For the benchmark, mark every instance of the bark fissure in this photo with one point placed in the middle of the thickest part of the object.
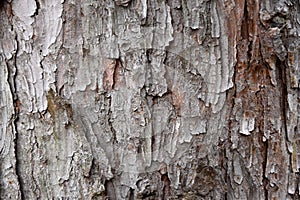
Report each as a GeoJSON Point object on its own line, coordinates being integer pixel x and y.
{"type": "Point", "coordinates": [38, 7]}
{"type": "Point", "coordinates": [19, 171]}
{"type": "Point", "coordinates": [264, 168]}
{"type": "Point", "coordinates": [166, 186]}
{"type": "Point", "coordinates": [131, 194]}
{"type": "Point", "coordinates": [281, 67]}
{"type": "Point", "coordinates": [17, 107]}
{"type": "Point", "coordinates": [110, 190]}
{"type": "Point", "coordinates": [110, 120]}
{"type": "Point", "coordinates": [162, 99]}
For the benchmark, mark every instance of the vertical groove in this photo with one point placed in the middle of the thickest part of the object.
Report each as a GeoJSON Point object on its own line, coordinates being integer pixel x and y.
{"type": "Point", "coordinates": [166, 188]}
{"type": "Point", "coordinates": [110, 190]}
{"type": "Point", "coordinates": [284, 97]}
{"type": "Point", "coordinates": [265, 159]}
{"type": "Point", "coordinates": [18, 169]}
{"type": "Point", "coordinates": [131, 194]}
{"type": "Point", "coordinates": [16, 105]}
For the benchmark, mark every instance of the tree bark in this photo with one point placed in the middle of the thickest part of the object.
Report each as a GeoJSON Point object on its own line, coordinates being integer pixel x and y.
{"type": "Point", "coordinates": [150, 99]}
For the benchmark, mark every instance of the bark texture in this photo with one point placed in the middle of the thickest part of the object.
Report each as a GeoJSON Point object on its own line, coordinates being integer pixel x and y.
{"type": "Point", "coordinates": [150, 99]}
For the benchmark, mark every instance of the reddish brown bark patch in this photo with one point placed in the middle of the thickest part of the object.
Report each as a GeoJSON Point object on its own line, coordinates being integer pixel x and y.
{"type": "Point", "coordinates": [108, 75]}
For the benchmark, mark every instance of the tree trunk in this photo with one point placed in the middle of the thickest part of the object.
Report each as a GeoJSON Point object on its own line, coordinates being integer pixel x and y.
{"type": "Point", "coordinates": [150, 99]}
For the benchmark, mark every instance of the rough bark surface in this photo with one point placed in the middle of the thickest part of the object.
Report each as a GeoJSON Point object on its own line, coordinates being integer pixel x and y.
{"type": "Point", "coordinates": [149, 99]}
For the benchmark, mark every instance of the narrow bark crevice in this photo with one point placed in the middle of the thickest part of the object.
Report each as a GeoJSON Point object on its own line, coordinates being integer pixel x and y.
{"type": "Point", "coordinates": [18, 167]}
{"type": "Point", "coordinates": [281, 69]}
{"type": "Point", "coordinates": [17, 106]}
{"type": "Point", "coordinates": [131, 194]}
{"type": "Point", "coordinates": [117, 72]}
{"type": "Point", "coordinates": [37, 7]}
{"type": "Point", "coordinates": [166, 186]}
{"type": "Point", "coordinates": [110, 190]}
{"type": "Point", "coordinates": [264, 168]}
{"type": "Point", "coordinates": [245, 24]}
{"type": "Point", "coordinates": [17, 155]}
{"type": "Point", "coordinates": [110, 121]}
{"type": "Point", "coordinates": [297, 192]}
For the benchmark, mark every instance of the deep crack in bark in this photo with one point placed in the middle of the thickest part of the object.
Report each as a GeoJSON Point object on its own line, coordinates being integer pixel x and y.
{"type": "Point", "coordinates": [16, 102]}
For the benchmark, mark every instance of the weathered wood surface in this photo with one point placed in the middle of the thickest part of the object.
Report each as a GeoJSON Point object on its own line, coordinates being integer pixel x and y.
{"type": "Point", "coordinates": [149, 99]}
